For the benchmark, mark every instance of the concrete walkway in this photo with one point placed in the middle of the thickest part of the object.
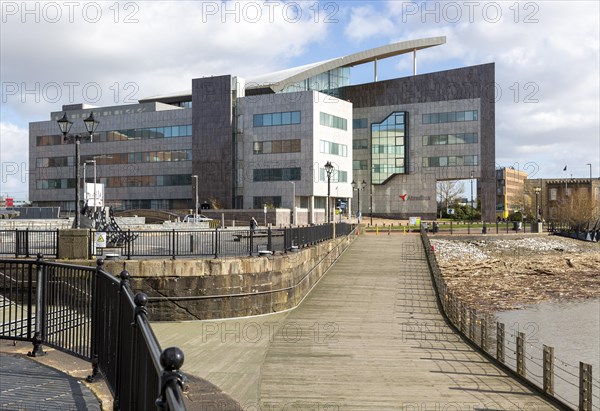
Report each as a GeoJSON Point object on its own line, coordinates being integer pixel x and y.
{"type": "Point", "coordinates": [368, 337]}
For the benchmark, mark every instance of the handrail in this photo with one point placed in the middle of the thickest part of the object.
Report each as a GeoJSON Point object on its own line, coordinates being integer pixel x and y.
{"type": "Point", "coordinates": [474, 327]}
{"type": "Point", "coordinates": [87, 312]}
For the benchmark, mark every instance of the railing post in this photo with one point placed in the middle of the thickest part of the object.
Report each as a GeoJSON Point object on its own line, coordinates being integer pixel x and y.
{"type": "Point", "coordinates": [484, 335]}
{"type": "Point", "coordinates": [173, 245]}
{"type": "Point", "coordinates": [450, 227]}
{"type": "Point", "coordinates": [171, 360]}
{"type": "Point", "coordinates": [500, 342]}
{"type": "Point", "coordinates": [269, 239]}
{"type": "Point", "coordinates": [548, 375]}
{"type": "Point", "coordinates": [521, 354]}
{"type": "Point", "coordinates": [251, 244]}
{"type": "Point", "coordinates": [27, 242]}
{"type": "Point", "coordinates": [472, 325]}
{"type": "Point", "coordinates": [128, 244]}
{"type": "Point", "coordinates": [38, 336]}
{"type": "Point", "coordinates": [216, 242]}
{"type": "Point", "coordinates": [463, 317]}
{"type": "Point", "coordinates": [286, 232]}
{"type": "Point", "coordinates": [95, 322]}
{"type": "Point", "coordinates": [585, 387]}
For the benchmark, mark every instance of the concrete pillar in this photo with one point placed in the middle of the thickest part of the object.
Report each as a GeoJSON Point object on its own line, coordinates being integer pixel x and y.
{"type": "Point", "coordinates": [74, 244]}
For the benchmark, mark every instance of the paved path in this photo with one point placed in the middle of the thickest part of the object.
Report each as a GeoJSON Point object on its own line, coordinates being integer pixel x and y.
{"type": "Point", "coordinates": [368, 337]}
{"type": "Point", "coordinates": [28, 385]}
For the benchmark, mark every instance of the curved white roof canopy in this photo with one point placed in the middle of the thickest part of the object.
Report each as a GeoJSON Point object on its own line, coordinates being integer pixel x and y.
{"type": "Point", "coordinates": [279, 80]}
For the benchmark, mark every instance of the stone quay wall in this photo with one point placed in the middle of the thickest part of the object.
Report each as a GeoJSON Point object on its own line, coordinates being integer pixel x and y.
{"type": "Point", "coordinates": [202, 289]}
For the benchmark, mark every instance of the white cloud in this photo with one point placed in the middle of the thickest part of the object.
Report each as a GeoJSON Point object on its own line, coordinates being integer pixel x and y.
{"type": "Point", "coordinates": [13, 161]}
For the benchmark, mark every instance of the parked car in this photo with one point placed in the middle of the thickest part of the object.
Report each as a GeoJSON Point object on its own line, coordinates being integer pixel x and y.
{"type": "Point", "coordinates": [190, 218]}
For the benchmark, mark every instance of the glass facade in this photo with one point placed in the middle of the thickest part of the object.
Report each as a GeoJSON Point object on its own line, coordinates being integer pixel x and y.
{"type": "Point", "coordinates": [118, 158]}
{"type": "Point", "coordinates": [124, 135]}
{"type": "Point", "coordinates": [276, 146]}
{"type": "Point", "coordinates": [124, 181]}
{"type": "Point", "coordinates": [276, 119]}
{"type": "Point", "coordinates": [444, 139]}
{"type": "Point", "coordinates": [450, 117]}
{"type": "Point", "coordinates": [388, 142]}
{"type": "Point", "coordinates": [277, 174]}
{"type": "Point", "coordinates": [332, 121]}
{"type": "Point", "coordinates": [328, 82]}
{"type": "Point", "coordinates": [450, 161]}
{"type": "Point", "coordinates": [327, 147]}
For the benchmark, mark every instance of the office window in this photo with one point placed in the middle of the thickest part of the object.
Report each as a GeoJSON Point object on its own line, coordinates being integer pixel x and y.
{"type": "Point", "coordinates": [277, 174]}
{"type": "Point", "coordinates": [449, 161]}
{"type": "Point", "coordinates": [360, 164]}
{"type": "Point", "coordinates": [276, 119]}
{"type": "Point", "coordinates": [358, 123]}
{"type": "Point", "coordinates": [277, 146]}
{"type": "Point", "coordinates": [360, 144]}
{"type": "Point", "coordinates": [328, 147]}
{"type": "Point", "coordinates": [449, 117]}
{"type": "Point", "coordinates": [332, 121]}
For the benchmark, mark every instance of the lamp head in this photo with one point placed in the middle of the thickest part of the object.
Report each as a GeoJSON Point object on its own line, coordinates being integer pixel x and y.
{"type": "Point", "coordinates": [64, 124]}
{"type": "Point", "coordinates": [91, 124]}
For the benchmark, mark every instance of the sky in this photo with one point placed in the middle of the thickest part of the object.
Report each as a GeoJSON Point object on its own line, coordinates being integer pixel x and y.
{"type": "Point", "coordinates": [546, 56]}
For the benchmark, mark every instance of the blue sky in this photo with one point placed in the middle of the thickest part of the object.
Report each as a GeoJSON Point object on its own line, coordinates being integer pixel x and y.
{"type": "Point", "coordinates": [107, 53]}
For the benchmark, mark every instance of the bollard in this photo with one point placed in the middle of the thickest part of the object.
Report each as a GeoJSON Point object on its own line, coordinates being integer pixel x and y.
{"type": "Point", "coordinates": [376, 229]}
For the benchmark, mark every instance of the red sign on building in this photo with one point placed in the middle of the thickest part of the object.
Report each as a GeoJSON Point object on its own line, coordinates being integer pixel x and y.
{"type": "Point", "coordinates": [9, 202]}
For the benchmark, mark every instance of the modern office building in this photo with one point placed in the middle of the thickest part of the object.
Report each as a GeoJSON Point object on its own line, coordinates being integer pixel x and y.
{"type": "Point", "coordinates": [510, 191]}
{"type": "Point", "coordinates": [265, 141]}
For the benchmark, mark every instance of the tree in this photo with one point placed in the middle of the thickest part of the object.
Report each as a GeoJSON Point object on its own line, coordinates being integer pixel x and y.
{"type": "Point", "coordinates": [448, 192]}
{"type": "Point", "coordinates": [580, 211]}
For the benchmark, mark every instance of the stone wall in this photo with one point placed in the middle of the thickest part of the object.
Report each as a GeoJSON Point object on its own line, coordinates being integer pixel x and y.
{"type": "Point", "coordinates": [229, 287]}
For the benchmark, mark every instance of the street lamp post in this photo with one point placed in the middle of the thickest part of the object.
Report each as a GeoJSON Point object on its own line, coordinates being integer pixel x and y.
{"type": "Point", "coordinates": [358, 189]}
{"type": "Point", "coordinates": [293, 183]}
{"type": "Point", "coordinates": [65, 126]}
{"type": "Point", "coordinates": [195, 176]}
{"type": "Point", "coordinates": [329, 171]}
{"type": "Point", "coordinates": [537, 209]}
{"type": "Point", "coordinates": [472, 174]}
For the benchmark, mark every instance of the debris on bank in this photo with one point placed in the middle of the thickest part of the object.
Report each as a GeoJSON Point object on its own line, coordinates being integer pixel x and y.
{"type": "Point", "coordinates": [495, 274]}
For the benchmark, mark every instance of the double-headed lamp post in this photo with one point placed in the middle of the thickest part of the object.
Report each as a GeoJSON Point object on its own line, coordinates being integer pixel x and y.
{"type": "Point", "coordinates": [195, 176]}
{"type": "Point", "coordinates": [355, 187]}
{"type": "Point", "coordinates": [537, 209]}
{"type": "Point", "coordinates": [329, 171]}
{"type": "Point", "coordinates": [65, 126]}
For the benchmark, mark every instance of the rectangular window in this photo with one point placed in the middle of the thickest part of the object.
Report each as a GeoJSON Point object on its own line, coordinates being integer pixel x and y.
{"type": "Point", "coordinates": [360, 164]}
{"type": "Point", "coordinates": [358, 123]}
{"type": "Point", "coordinates": [332, 121]}
{"type": "Point", "coordinates": [276, 119]}
{"type": "Point", "coordinates": [450, 117]}
{"type": "Point", "coordinates": [276, 146]}
{"type": "Point", "coordinates": [360, 144]}
{"type": "Point", "coordinates": [553, 194]}
{"type": "Point", "coordinates": [277, 174]}
{"type": "Point", "coordinates": [327, 147]}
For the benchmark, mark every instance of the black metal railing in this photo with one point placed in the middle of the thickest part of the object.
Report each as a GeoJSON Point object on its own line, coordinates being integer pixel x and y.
{"type": "Point", "coordinates": [89, 313]}
{"type": "Point", "coordinates": [227, 242]}
{"type": "Point", "coordinates": [28, 243]}
{"type": "Point", "coordinates": [179, 243]}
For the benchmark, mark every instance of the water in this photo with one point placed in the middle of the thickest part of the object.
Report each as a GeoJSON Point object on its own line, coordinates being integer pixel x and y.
{"type": "Point", "coordinates": [573, 329]}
